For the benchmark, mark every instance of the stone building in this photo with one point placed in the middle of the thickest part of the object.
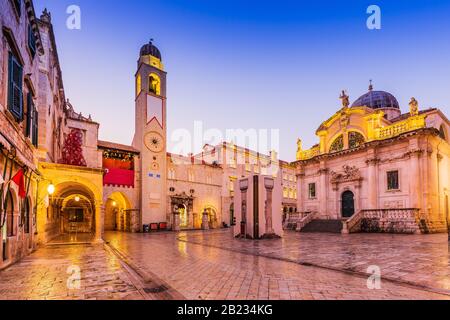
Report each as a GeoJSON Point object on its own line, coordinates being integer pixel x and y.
{"type": "Point", "coordinates": [376, 169]}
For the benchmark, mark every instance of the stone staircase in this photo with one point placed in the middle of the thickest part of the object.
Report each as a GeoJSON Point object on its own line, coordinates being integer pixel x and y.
{"type": "Point", "coordinates": [326, 226]}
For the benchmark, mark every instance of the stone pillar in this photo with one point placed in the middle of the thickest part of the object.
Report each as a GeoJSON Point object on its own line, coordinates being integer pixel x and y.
{"type": "Point", "coordinates": [323, 194]}
{"type": "Point", "coordinates": [300, 199]}
{"type": "Point", "coordinates": [99, 218]}
{"type": "Point", "coordinates": [415, 179]}
{"type": "Point", "coordinates": [269, 185]}
{"type": "Point", "coordinates": [372, 183]}
{"type": "Point", "coordinates": [205, 222]}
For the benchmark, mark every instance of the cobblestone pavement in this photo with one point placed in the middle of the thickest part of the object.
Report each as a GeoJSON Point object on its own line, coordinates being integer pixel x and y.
{"type": "Point", "coordinates": [44, 275]}
{"type": "Point", "coordinates": [211, 270]}
{"type": "Point", "coordinates": [422, 260]}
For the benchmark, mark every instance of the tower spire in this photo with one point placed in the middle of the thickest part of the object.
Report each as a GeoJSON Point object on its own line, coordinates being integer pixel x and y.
{"type": "Point", "coordinates": [370, 85]}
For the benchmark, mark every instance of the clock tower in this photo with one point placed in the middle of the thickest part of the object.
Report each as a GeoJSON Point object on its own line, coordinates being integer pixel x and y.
{"type": "Point", "coordinates": [150, 134]}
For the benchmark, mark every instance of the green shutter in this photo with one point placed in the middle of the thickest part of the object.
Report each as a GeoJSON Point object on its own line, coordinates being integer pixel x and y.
{"type": "Point", "coordinates": [35, 128]}
{"type": "Point", "coordinates": [30, 110]}
{"type": "Point", "coordinates": [15, 97]}
{"type": "Point", "coordinates": [31, 41]}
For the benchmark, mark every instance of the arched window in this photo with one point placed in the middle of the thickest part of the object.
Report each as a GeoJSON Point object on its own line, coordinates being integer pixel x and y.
{"type": "Point", "coordinates": [154, 84]}
{"type": "Point", "coordinates": [338, 144]}
{"type": "Point", "coordinates": [9, 207]}
{"type": "Point", "coordinates": [138, 84]}
{"type": "Point", "coordinates": [442, 133]}
{"type": "Point", "coordinates": [355, 139]}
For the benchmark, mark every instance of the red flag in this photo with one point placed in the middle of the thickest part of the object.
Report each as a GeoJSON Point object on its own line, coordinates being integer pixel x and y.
{"type": "Point", "coordinates": [18, 179]}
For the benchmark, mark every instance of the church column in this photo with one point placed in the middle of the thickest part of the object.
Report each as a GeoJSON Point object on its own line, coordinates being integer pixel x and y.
{"type": "Point", "coordinates": [372, 181]}
{"type": "Point", "coordinates": [323, 195]}
{"type": "Point", "coordinates": [415, 176]}
{"type": "Point", "coordinates": [300, 198]}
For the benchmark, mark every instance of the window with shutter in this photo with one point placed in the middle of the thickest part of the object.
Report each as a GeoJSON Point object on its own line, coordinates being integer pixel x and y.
{"type": "Point", "coordinates": [15, 97]}
{"type": "Point", "coordinates": [35, 139]}
{"type": "Point", "coordinates": [29, 114]}
{"type": "Point", "coordinates": [31, 41]}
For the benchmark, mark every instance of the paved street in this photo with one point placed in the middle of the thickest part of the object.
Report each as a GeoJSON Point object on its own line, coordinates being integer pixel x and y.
{"type": "Point", "coordinates": [422, 260]}
{"type": "Point", "coordinates": [44, 275]}
{"type": "Point", "coordinates": [213, 265]}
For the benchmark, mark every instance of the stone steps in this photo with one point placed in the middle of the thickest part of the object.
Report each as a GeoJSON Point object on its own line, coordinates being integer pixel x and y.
{"type": "Point", "coordinates": [326, 226]}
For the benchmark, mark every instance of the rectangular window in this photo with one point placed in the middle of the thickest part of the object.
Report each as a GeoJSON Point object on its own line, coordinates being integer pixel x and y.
{"type": "Point", "coordinates": [29, 115]}
{"type": "Point", "coordinates": [392, 180]}
{"type": "Point", "coordinates": [312, 190]}
{"type": "Point", "coordinates": [15, 97]}
{"type": "Point", "coordinates": [31, 41]}
{"type": "Point", "coordinates": [35, 137]}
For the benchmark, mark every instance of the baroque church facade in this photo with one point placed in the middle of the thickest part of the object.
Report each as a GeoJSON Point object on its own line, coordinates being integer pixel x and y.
{"type": "Point", "coordinates": [373, 170]}
{"type": "Point", "coordinates": [376, 169]}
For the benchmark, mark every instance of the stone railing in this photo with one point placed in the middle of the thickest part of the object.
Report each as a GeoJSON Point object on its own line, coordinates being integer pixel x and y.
{"type": "Point", "coordinates": [410, 124]}
{"type": "Point", "coordinates": [352, 225]}
{"type": "Point", "coordinates": [384, 220]}
{"type": "Point", "coordinates": [291, 220]}
{"type": "Point", "coordinates": [306, 219]}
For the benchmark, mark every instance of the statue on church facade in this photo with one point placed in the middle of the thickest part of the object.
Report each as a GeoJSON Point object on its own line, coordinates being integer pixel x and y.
{"type": "Point", "coordinates": [345, 99]}
{"type": "Point", "coordinates": [299, 148]}
{"type": "Point", "coordinates": [414, 107]}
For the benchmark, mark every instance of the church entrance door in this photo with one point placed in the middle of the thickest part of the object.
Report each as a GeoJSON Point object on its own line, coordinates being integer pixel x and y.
{"type": "Point", "coordinates": [348, 204]}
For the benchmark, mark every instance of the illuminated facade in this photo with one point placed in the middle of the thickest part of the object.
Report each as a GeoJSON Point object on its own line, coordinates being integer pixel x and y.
{"type": "Point", "coordinates": [374, 169]}
{"type": "Point", "coordinates": [377, 169]}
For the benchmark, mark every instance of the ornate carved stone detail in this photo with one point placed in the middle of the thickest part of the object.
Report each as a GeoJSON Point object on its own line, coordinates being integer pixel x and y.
{"type": "Point", "coordinates": [349, 174]}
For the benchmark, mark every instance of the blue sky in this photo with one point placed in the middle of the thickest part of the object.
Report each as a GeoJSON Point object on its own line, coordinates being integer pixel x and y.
{"type": "Point", "coordinates": [251, 63]}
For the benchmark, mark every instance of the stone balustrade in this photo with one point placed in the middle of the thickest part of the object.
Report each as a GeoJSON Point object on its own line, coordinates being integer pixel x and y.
{"type": "Point", "coordinates": [307, 218]}
{"type": "Point", "coordinates": [384, 220]}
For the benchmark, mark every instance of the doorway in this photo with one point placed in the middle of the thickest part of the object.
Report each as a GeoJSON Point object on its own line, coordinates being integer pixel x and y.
{"type": "Point", "coordinates": [348, 204]}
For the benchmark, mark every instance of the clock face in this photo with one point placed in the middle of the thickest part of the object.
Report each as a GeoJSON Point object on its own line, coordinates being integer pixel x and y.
{"type": "Point", "coordinates": [154, 142]}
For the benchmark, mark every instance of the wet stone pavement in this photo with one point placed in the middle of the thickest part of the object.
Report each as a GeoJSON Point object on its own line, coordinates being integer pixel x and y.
{"type": "Point", "coordinates": [51, 274]}
{"type": "Point", "coordinates": [213, 265]}
{"type": "Point", "coordinates": [421, 260]}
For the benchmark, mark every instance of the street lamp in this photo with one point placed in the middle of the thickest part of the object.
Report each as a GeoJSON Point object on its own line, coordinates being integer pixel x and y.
{"type": "Point", "coordinates": [51, 189]}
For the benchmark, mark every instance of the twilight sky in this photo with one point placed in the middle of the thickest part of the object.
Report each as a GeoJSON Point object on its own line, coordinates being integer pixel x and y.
{"type": "Point", "coordinates": [252, 63]}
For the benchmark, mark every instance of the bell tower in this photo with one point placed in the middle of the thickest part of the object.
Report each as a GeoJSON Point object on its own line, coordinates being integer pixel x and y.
{"type": "Point", "coordinates": [150, 136]}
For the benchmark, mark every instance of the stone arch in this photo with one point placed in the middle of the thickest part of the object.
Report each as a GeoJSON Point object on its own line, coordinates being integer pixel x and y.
{"type": "Point", "coordinates": [212, 216]}
{"type": "Point", "coordinates": [117, 214]}
{"type": "Point", "coordinates": [11, 211]}
{"type": "Point", "coordinates": [76, 206]}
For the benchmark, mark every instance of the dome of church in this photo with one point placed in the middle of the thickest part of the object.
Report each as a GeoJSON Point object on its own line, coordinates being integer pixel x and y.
{"type": "Point", "coordinates": [377, 100]}
{"type": "Point", "coordinates": [151, 49]}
